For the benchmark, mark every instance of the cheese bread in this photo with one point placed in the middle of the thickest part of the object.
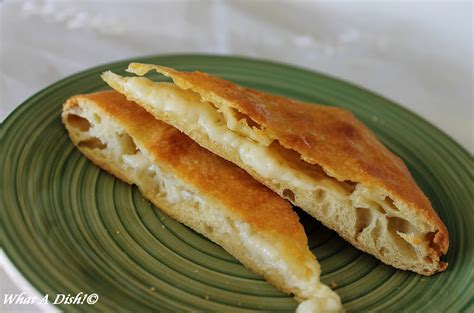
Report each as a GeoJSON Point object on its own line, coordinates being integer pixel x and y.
{"type": "Point", "coordinates": [201, 190]}
{"type": "Point", "coordinates": [320, 158]}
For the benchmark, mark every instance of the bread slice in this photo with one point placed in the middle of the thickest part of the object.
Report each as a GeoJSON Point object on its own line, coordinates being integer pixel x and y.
{"type": "Point", "coordinates": [205, 192]}
{"type": "Point", "coordinates": [320, 158]}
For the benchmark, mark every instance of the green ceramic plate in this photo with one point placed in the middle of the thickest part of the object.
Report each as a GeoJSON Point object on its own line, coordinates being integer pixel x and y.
{"type": "Point", "coordinates": [70, 227]}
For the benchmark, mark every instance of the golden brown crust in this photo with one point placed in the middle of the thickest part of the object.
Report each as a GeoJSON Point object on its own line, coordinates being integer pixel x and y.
{"type": "Point", "coordinates": [216, 178]}
{"type": "Point", "coordinates": [330, 137]}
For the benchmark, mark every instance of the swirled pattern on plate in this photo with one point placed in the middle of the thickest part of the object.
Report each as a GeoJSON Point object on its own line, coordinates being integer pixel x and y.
{"type": "Point", "coordinates": [70, 227]}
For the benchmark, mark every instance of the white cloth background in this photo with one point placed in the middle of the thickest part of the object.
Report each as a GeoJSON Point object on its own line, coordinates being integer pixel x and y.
{"type": "Point", "coordinates": [419, 54]}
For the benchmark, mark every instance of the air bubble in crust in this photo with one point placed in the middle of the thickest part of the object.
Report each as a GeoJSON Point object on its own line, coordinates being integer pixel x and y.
{"type": "Point", "coordinates": [78, 122]}
{"type": "Point", "coordinates": [290, 195]}
{"type": "Point", "coordinates": [92, 143]}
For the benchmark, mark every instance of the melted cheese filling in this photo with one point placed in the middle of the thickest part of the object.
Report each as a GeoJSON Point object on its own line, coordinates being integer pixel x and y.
{"type": "Point", "coordinates": [262, 157]}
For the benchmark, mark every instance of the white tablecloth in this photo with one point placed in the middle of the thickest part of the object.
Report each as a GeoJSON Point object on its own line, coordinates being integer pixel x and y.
{"type": "Point", "coordinates": [417, 54]}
